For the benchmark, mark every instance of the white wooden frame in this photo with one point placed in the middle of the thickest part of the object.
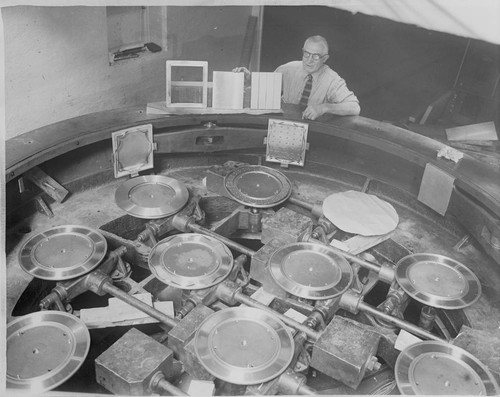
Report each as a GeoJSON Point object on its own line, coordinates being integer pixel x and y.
{"type": "Point", "coordinates": [204, 83]}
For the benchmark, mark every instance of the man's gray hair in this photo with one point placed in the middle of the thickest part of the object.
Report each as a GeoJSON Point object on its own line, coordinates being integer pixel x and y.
{"type": "Point", "coordinates": [319, 39]}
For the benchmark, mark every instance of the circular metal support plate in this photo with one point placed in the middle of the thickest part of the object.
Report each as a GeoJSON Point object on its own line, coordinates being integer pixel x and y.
{"type": "Point", "coordinates": [44, 349]}
{"type": "Point", "coordinates": [258, 186]}
{"type": "Point", "coordinates": [63, 252]}
{"type": "Point", "coordinates": [438, 281]}
{"type": "Point", "coordinates": [190, 261]}
{"type": "Point", "coordinates": [310, 270]}
{"type": "Point", "coordinates": [243, 345]}
{"type": "Point", "coordinates": [438, 368]}
{"type": "Point", "coordinates": [151, 196]}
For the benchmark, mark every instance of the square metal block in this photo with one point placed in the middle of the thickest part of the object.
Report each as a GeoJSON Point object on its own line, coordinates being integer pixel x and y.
{"type": "Point", "coordinates": [127, 367]}
{"type": "Point", "coordinates": [343, 351]}
{"type": "Point", "coordinates": [181, 336]}
{"type": "Point", "coordinates": [286, 225]}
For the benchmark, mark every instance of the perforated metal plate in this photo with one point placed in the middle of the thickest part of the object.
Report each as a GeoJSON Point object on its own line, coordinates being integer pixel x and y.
{"type": "Point", "coordinates": [62, 252]}
{"type": "Point", "coordinates": [152, 196]}
{"type": "Point", "coordinates": [310, 270]}
{"type": "Point", "coordinates": [438, 368]}
{"type": "Point", "coordinates": [44, 349]}
{"type": "Point", "coordinates": [190, 261]}
{"type": "Point", "coordinates": [243, 345]}
{"type": "Point", "coordinates": [438, 281]}
{"type": "Point", "coordinates": [286, 142]}
{"type": "Point", "coordinates": [258, 186]}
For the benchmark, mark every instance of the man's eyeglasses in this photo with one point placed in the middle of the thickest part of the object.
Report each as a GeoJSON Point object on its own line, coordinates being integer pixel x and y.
{"type": "Point", "coordinates": [315, 57]}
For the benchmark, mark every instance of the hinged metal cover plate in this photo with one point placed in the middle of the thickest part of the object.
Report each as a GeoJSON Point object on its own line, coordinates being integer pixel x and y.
{"type": "Point", "coordinates": [438, 281]}
{"type": "Point", "coordinates": [286, 142]}
{"type": "Point", "coordinates": [244, 345]}
{"type": "Point", "coordinates": [44, 349]}
{"type": "Point", "coordinates": [190, 261]}
{"type": "Point", "coordinates": [310, 270]}
{"type": "Point", "coordinates": [133, 150]}
{"type": "Point", "coordinates": [63, 252]}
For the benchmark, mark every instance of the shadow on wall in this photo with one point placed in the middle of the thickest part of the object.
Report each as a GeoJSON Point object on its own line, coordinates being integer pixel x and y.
{"type": "Point", "coordinates": [394, 69]}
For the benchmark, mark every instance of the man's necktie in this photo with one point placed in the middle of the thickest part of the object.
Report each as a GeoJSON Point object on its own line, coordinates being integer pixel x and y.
{"type": "Point", "coordinates": [307, 91]}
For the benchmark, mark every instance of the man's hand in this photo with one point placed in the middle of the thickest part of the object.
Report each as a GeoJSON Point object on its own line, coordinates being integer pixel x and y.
{"type": "Point", "coordinates": [244, 70]}
{"type": "Point", "coordinates": [312, 112]}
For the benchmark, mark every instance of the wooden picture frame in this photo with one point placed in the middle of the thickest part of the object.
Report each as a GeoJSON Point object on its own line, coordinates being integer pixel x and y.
{"type": "Point", "coordinates": [196, 85]}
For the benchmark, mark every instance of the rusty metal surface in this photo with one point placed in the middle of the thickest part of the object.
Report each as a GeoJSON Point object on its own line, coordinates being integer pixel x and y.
{"type": "Point", "coordinates": [128, 366]}
{"type": "Point", "coordinates": [285, 225]}
{"type": "Point", "coordinates": [344, 350]}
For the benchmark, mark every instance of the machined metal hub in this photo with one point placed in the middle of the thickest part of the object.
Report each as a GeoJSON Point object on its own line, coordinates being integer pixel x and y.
{"type": "Point", "coordinates": [190, 261]}
{"type": "Point", "coordinates": [62, 252]}
{"type": "Point", "coordinates": [310, 270]}
{"type": "Point", "coordinates": [438, 281]}
{"type": "Point", "coordinates": [258, 186]}
{"type": "Point", "coordinates": [152, 196]}
{"type": "Point", "coordinates": [244, 345]}
{"type": "Point", "coordinates": [44, 349]}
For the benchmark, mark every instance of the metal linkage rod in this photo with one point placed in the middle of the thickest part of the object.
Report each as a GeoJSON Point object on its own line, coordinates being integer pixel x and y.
{"type": "Point", "coordinates": [305, 390]}
{"type": "Point", "coordinates": [195, 228]}
{"type": "Point", "coordinates": [242, 298]}
{"type": "Point", "coordinates": [300, 203]}
{"type": "Point", "coordinates": [364, 307]}
{"type": "Point", "coordinates": [165, 386]}
{"type": "Point", "coordinates": [144, 307]}
{"type": "Point", "coordinates": [353, 258]}
{"type": "Point", "coordinates": [385, 273]}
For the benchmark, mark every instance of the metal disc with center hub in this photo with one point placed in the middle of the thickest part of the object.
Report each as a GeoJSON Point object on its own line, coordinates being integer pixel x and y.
{"type": "Point", "coordinates": [438, 368]}
{"type": "Point", "coordinates": [190, 261]}
{"type": "Point", "coordinates": [438, 281]}
{"type": "Point", "coordinates": [244, 345]}
{"type": "Point", "coordinates": [63, 252]}
{"type": "Point", "coordinates": [310, 270]}
{"type": "Point", "coordinates": [258, 186]}
{"type": "Point", "coordinates": [44, 349]}
{"type": "Point", "coordinates": [152, 196]}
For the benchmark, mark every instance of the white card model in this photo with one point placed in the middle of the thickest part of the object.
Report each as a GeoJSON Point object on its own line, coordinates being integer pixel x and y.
{"type": "Point", "coordinates": [360, 213]}
{"type": "Point", "coordinates": [265, 90]}
{"type": "Point", "coordinates": [228, 90]}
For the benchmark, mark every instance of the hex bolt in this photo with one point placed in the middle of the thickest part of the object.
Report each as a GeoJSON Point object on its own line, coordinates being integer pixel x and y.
{"type": "Point", "coordinates": [373, 364]}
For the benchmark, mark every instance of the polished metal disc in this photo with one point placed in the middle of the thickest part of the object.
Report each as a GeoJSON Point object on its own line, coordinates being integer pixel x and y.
{"type": "Point", "coordinates": [258, 186]}
{"type": "Point", "coordinates": [152, 196]}
{"type": "Point", "coordinates": [438, 281]}
{"type": "Point", "coordinates": [190, 261]}
{"type": "Point", "coordinates": [63, 252]}
{"type": "Point", "coordinates": [44, 349]}
{"type": "Point", "coordinates": [310, 270]}
{"type": "Point", "coordinates": [439, 368]}
{"type": "Point", "coordinates": [244, 345]}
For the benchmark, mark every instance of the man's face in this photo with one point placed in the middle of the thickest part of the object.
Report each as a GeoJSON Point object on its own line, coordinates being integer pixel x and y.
{"type": "Point", "coordinates": [310, 51]}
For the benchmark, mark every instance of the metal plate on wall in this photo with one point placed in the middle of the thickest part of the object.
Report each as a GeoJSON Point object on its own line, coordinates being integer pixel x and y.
{"type": "Point", "coordinates": [44, 349]}
{"type": "Point", "coordinates": [286, 142]}
{"type": "Point", "coordinates": [63, 252]}
{"type": "Point", "coordinates": [152, 196]}
{"type": "Point", "coordinates": [133, 150]}
{"type": "Point", "coordinates": [244, 345]}
{"type": "Point", "coordinates": [190, 261]}
{"type": "Point", "coordinates": [438, 368]}
{"type": "Point", "coordinates": [258, 186]}
{"type": "Point", "coordinates": [310, 270]}
{"type": "Point", "coordinates": [438, 281]}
